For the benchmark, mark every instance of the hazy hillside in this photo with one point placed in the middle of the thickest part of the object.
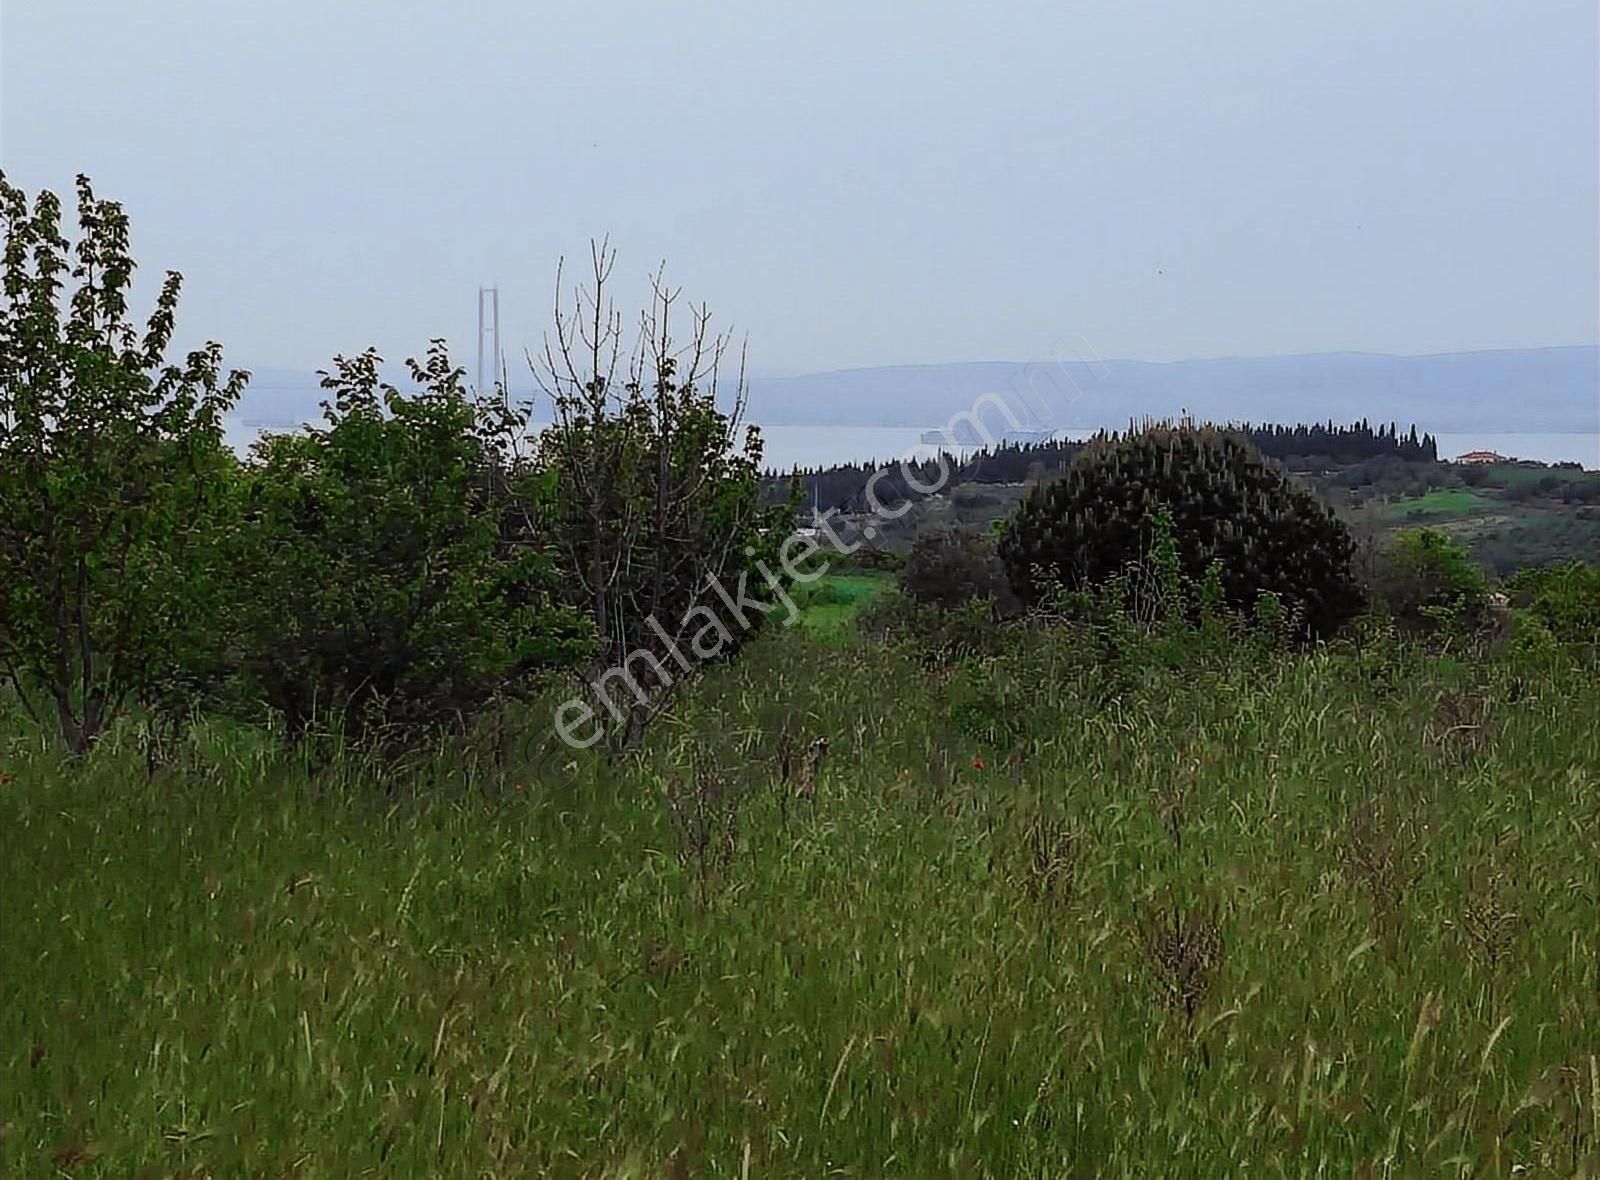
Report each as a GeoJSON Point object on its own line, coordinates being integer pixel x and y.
{"type": "Point", "coordinates": [1552, 389]}
{"type": "Point", "coordinates": [1549, 389]}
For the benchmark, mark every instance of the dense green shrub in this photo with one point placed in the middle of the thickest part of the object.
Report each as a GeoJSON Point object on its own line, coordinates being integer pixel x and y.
{"type": "Point", "coordinates": [1565, 598]}
{"type": "Point", "coordinates": [1424, 579]}
{"type": "Point", "coordinates": [990, 702]}
{"type": "Point", "coordinates": [394, 574]}
{"type": "Point", "coordinates": [1228, 507]}
{"type": "Point", "coordinates": [935, 636]}
{"type": "Point", "coordinates": [948, 567]}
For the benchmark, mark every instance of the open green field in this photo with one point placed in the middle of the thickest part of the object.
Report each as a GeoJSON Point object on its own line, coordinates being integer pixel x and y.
{"type": "Point", "coordinates": [1438, 503]}
{"type": "Point", "coordinates": [1513, 474]}
{"type": "Point", "coordinates": [1332, 914]}
{"type": "Point", "coordinates": [829, 606]}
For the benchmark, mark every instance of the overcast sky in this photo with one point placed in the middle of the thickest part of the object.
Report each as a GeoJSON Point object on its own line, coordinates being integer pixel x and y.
{"type": "Point", "coordinates": [847, 183]}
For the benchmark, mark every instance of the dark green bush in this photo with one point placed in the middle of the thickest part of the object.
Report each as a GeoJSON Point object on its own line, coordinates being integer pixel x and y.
{"type": "Point", "coordinates": [1228, 507]}
{"type": "Point", "coordinates": [948, 567]}
{"type": "Point", "coordinates": [657, 498]}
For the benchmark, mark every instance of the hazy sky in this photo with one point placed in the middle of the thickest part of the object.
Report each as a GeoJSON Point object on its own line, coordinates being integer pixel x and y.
{"type": "Point", "coordinates": [847, 183]}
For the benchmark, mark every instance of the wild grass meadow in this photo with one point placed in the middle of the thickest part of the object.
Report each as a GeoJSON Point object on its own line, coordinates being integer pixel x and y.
{"type": "Point", "coordinates": [1327, 914]}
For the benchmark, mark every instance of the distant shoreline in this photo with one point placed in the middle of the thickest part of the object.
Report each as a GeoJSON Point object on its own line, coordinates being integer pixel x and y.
{"type": "Point", "coordinates": [787, 446]}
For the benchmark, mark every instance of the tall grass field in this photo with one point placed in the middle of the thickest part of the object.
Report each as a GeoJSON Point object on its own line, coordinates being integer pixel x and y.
{"type": "Point", "coordinates": [1330, 914]}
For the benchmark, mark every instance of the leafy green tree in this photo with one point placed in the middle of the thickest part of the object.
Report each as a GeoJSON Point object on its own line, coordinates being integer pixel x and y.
{"type": "Point", "coordinates": [398, 572]}
{"type": "Point", "coordinates": [115, 481]}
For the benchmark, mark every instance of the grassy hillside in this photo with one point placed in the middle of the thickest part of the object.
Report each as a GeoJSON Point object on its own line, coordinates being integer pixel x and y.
{"type": "Point", "coordinates": [1328, 914]}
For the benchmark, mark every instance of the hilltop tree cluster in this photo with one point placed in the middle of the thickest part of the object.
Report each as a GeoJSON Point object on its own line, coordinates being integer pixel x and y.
{"type": "Point", "coordinates": [1342, 444]}
{"type": "Point", "coordinates": [844, 486]}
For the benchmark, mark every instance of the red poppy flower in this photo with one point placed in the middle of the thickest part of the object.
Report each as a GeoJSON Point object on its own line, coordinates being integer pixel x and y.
{"type": "Point", "coordinates": [977, 764]}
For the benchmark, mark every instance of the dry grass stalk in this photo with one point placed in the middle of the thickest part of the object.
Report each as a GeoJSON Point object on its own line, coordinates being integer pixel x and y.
{"type": "Point", "coordinates": [1172, 796]}
{"type": "Point", "coordinates": [1381, 857]}
{"type": "Point", "coordinates": [705, 820]}
{"type": "Point", "coordinates": [1488, 922]}
{"type": "Point", "coordinates": [807, 786]}
{"type": "Point", "coordinates": [786, 754]}
{"type": "Point", "coordinates": [1052, 860]}
{"type": "Point", "coordinates": [662, 959]}
{"type": "Point", "coordinates": [1184, 949]}
{"type": "Point", "coordinates": [1459, 723]}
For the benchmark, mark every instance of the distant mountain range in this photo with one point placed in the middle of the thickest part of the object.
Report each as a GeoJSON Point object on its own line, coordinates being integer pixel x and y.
{"type": "Point", "coordinates": [1544, 389]}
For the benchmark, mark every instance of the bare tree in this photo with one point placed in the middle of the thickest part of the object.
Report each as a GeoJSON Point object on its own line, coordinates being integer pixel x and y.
{"type": "Point", "coordinates": [657, 489]}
